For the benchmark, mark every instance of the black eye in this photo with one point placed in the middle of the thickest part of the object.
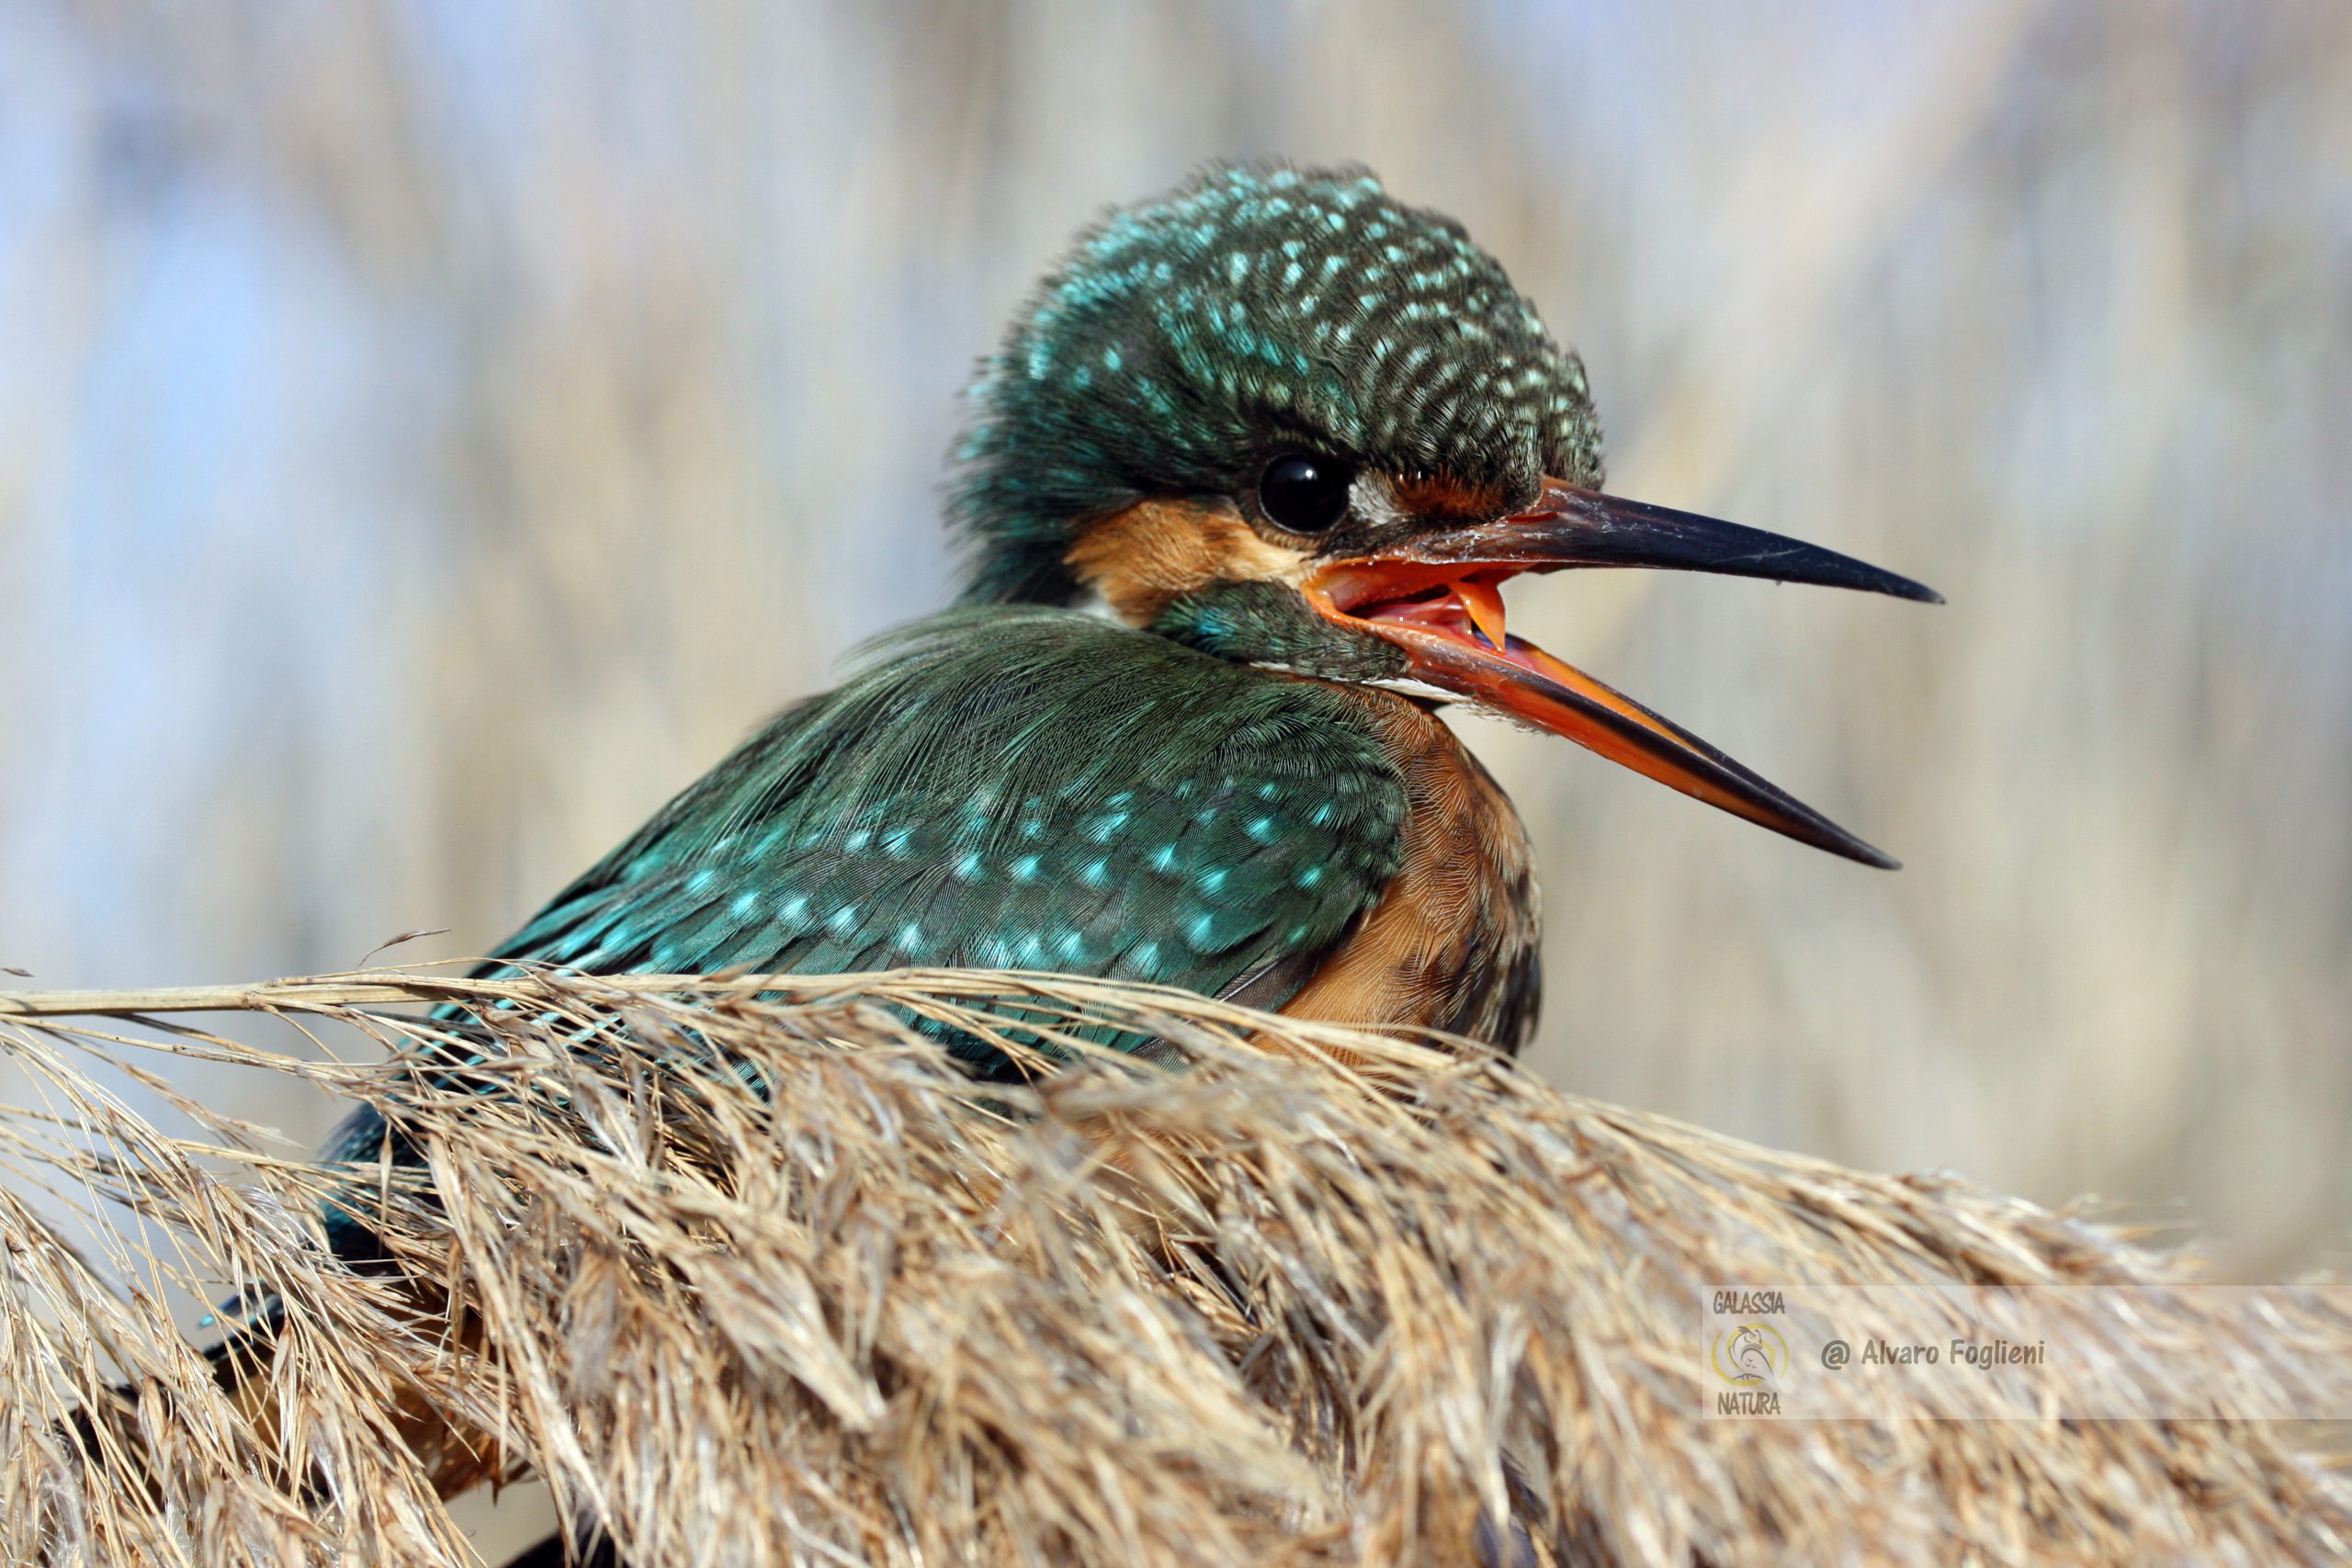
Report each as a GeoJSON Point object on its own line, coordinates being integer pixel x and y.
{"type": "Point", "coordinates": [1304, 494]}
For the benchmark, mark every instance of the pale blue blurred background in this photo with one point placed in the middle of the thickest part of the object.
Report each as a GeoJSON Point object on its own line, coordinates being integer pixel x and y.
{"type": "Point", "coordinates": [432, 434]}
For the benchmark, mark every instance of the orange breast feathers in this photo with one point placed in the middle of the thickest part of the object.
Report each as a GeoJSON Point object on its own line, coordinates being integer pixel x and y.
{"type": "Point", "coordinates": [1451, 942]}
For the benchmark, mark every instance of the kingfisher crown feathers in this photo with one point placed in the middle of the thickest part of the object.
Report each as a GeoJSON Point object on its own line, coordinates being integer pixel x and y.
{"type": "Point", "coordinates": [1184, 342]}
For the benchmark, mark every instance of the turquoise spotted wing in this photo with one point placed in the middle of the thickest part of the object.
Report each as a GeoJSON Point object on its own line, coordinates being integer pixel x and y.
{"type": "Point", "coordinates": [1009, 788]}
{"type": "Point", "coordinates": [1017, 788]}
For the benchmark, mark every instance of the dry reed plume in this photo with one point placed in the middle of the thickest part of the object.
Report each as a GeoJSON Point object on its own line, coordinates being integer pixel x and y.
{"type": "Point", "coordinates": [766, 1278]}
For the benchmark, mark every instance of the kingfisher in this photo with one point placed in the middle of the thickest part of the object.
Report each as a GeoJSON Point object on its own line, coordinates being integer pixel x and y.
{"type": "Point", "coordinates": [1237, 497]}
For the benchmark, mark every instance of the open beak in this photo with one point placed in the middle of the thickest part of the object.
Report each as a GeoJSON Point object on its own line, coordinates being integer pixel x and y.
{"type": "Point", "coordinates": [1437, 599]}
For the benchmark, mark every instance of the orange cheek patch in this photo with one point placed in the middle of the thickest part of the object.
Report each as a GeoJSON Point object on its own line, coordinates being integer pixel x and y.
{"type": "Point", "coordinates": [1155, 551]}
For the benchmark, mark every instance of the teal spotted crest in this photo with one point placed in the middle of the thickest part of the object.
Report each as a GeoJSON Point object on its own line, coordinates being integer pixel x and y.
{"type": "Point", "coordinates": [1183, 342]}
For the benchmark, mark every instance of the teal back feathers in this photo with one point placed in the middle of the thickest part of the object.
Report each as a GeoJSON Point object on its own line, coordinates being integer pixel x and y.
{"type": "Point", "coordinates": [1007, 787]}
{"type": "Point", "coordinates": [1021, 788]}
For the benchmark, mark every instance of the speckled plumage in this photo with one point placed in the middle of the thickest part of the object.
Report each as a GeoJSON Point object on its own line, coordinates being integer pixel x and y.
{"type": "Point", "coordinates": [1183, 341]}
{"type": "Point", "coordinates": [1018, 787]}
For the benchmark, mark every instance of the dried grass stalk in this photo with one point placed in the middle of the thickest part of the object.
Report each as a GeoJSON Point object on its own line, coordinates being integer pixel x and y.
{"type": "Point", "coordinates": [753, 1273]}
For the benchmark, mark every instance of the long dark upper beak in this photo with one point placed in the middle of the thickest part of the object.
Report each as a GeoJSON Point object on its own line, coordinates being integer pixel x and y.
{"type": "Point", "coordinates": [1435, 597]}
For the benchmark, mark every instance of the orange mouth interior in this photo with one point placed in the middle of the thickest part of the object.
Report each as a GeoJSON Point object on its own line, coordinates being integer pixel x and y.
{"type": "Point", "coordinates": [1417, 602]}
{"type": "Point", "coordinates": [1460, 610]}
{"type": "Point", "coordinates": [1470, 608]}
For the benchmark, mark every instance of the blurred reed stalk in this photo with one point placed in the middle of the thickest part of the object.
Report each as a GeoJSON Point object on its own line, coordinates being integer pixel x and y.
{"type": "Point", "coordinates": [750, 1272]}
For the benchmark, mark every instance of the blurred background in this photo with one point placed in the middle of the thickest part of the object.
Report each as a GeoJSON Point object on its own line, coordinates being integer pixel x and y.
{"type": "Point", "coordinates": [432, 434]}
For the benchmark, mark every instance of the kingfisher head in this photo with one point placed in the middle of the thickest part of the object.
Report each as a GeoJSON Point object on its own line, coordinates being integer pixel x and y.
{"type": "Point", "coordinates": [1283, 418]}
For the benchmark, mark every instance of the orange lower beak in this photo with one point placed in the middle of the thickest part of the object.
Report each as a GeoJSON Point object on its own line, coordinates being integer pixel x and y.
{"type": "Point", "coordinates": [1437, 600]}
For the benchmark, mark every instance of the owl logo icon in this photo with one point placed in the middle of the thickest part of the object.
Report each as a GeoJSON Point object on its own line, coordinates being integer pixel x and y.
{"type": "Point", "coordinates": [1751, 1355]}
